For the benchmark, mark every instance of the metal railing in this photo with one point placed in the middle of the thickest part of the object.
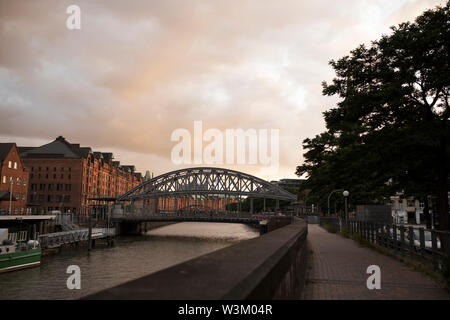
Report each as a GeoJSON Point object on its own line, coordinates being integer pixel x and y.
{"type": "Point", "coordinates": [419, 242]}
{"type": "Point", "coordinates": [57, 239]}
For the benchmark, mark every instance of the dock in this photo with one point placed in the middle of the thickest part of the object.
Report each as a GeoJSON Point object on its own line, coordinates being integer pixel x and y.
{"type": "Point", "coordinates": [57, 239]}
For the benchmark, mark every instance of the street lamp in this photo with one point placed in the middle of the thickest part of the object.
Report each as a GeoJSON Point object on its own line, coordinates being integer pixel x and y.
{"type": "Point", "coordinates": [346, 194]}
{"type": "Point", "coordinates": [10, 195]}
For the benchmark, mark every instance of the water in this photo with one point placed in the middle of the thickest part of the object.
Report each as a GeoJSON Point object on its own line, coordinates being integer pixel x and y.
{"type": "Point", "coordinates": [131, 257]}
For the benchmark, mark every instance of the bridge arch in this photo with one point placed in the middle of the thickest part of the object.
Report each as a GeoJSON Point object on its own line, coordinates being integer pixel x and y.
{"type": "Point", "coordinates": [206, 183]}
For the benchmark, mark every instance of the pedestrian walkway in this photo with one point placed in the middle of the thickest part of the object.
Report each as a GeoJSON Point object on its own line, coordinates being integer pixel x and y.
{"type": "Point", "coordinates": [337, 270]}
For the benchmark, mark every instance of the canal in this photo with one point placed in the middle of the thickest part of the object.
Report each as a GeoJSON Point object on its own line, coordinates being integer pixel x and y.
{"type": "Point", "coordinates": [130, 258]}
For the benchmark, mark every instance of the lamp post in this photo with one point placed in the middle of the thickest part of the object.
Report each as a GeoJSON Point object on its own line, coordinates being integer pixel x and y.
{"type": "Point", "coordinates": [346, 194]}
{"type": "Point", "coordinates": [10, 195]}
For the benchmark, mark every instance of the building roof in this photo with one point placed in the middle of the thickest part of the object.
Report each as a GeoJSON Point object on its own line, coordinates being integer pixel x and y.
{"type": "Point", "coordinates": [59, 148]}
{"type": "Point", "coordinates": [107, 156]}
{"type": "Point", "coordinates": [5, 148]}
{"type": "Point", "coordinates": [129, 168]}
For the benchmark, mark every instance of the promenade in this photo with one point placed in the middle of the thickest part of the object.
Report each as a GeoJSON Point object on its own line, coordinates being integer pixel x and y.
{"type": "Point", "coordinates": [337, 270]}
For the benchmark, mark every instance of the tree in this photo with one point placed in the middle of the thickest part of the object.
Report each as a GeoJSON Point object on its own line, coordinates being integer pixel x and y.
{"type": "Point", "coordinates": [390, 130]}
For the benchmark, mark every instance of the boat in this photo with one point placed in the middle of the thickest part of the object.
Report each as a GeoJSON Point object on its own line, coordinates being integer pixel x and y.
{"type": "Point", "coordinates": [17, 253]}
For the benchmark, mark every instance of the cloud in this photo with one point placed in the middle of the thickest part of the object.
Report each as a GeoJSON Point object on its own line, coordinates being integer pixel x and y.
{"type": "Point", "coordinates": [137, 70]}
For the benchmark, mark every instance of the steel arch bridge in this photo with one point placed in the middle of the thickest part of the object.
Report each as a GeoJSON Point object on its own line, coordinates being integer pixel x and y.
{"type": "Point", "coordinates": [206, 181]}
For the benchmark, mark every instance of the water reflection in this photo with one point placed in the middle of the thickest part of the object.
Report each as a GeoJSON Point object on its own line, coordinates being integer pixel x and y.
{"type": "Point", "coordinates": [130, 258]}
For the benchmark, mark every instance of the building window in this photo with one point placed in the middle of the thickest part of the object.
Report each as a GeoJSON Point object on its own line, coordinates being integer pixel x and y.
{"type": "Point", "coordinates": [4, 179]}
{"type": "Point", "coordinates": [18, 181]}
{"type": "Point", "coordinates": [16, 211]}
{"type": "Point", "coordinates": [15, 165]}
{"type": "Point", "coordinates": [24, 182]}
{"type": "Point", "coordinates": [50, 187]}
{"type": "Point", "coordinates": [9, 164]}
{"type": "Point", "coordinates": [23, 196]}
{"type": "Point", "coordinates": [39, 176]}
{"type": "Point", "coordinates": [18, 196]}
{"type": "Point", "coordinates": [32, 169]}
{"type": "Point", "coordinates": [54, 176]}
{"type": "Point", "coordinates": [70, 176]}
{"type": "Point", "coordinates": [54, 169]}
{"type": "Point", "coordinates": [46, 169]}
{"type": "Point", "coordinates": [21, 210]}
{"type": "Point", "coordinates": [42, 187]}
{"type": "Point", "coordinates": [31, 175]}
{"type": "Point", "coordinates": [62, 176]}
{"type": "Point", "coordinates": [62, 169]}
{"type": "Point", "coordinates": [39, 169]}
{"type": "Point", "coordinates": [49, 198]}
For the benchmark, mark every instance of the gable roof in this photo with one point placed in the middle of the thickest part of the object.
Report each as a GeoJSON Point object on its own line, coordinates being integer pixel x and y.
{"type": "Point", "coordinates": [59, 148]}
{"type": "Point", "coordinates": [5, 148]}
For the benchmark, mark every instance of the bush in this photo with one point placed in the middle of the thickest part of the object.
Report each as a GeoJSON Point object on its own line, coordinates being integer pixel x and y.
{"type": "Point", "coordinates": [330, 228]}
{"type": "Point", "coordinates": [446, 270]}
{"type": "Point", "coordinates": [345, 232]}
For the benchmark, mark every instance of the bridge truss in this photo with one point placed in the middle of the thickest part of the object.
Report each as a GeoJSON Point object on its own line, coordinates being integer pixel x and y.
{"type": "Point", "coordinates": [210, 186]}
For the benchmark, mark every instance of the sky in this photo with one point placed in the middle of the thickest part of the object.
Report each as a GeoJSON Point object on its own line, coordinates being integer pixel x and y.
{"type": "Point", "coordinates": [137, 71]}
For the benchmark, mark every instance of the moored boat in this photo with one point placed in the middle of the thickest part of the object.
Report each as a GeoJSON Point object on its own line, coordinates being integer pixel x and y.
{"type": "Point", "coordinates": [16, 253]}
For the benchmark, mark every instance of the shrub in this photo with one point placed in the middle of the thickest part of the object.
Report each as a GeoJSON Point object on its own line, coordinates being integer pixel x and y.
{"type": "Point", "coordinates": [330, 228]}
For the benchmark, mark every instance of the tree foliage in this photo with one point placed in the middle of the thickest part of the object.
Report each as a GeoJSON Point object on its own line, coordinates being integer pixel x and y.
{"type": "Point", "coordinates": [390, 130]}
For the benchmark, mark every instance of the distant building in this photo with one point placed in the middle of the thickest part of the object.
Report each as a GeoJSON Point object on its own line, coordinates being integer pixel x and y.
{"type": "Point", "coordinates": [14, 180]}
{"type": "Point", "coordinates": [289, 183]}
{"type": "Point", "coordinates": [63, 176]}
{"type": "Point", "coordinates": [147, 176]}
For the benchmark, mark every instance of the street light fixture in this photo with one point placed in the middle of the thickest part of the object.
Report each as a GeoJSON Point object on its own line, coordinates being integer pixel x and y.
{"type": "Point", "coordinates": [346, 194]}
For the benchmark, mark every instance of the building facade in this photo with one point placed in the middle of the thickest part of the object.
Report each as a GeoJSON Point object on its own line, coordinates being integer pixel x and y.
{"type": "Point", "coordinates": [14, 181]}
{"type": "Point", "coordinates": [66, 177]}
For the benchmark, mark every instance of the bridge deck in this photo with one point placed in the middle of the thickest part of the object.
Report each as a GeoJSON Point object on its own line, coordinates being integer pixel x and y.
{"type": "Point", "coordinates": [339, 272]}
{"type": "Point", "coordinates": [181, 218]}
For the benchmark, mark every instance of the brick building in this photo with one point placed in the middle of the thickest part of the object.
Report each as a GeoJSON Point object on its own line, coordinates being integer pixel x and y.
{"type": "Point", "coordinates": [64, 176]}
{"type": "Point", "coordinates": [14, 177]}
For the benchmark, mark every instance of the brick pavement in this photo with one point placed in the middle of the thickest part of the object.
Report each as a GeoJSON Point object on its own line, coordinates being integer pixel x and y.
{"type": "Point", "coordinates": [337, 270]}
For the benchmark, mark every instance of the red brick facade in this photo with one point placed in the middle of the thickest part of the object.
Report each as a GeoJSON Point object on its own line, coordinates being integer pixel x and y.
{"type": "Point", "coordinates": [64, 176]}
{"type": "Point", "coordinates": [13, 170]}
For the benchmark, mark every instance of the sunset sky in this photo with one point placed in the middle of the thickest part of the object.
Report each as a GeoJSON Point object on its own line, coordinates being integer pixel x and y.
{"type": "Point", "coordinates": [138, 70]}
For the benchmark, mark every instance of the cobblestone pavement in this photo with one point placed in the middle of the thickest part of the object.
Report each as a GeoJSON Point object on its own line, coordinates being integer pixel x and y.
{"type": "Point", "coordinates": [337, 270]}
